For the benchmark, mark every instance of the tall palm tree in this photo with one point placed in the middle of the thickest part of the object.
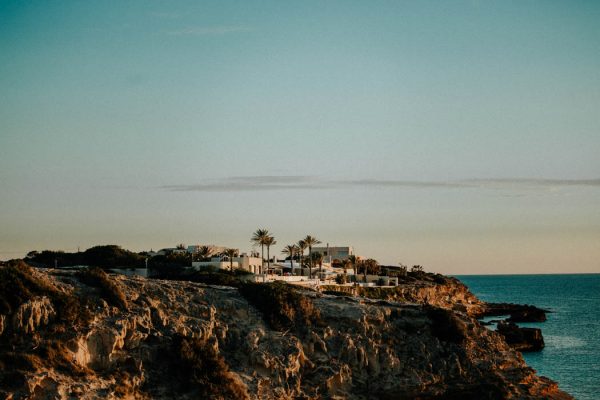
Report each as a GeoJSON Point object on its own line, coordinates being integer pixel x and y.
{"type": "Point", "coordinates": [301, 247]}
{"type": "Point", "coordinates": [258, 238]}
{"type": "Point", "coordinates": [230, 253]}
{"type": "Point", "coordinates": [310, 241]}
{"type": "Point", "coordinates": [291, 250]}
{"type": "Point", "coordinates": [269, 241]}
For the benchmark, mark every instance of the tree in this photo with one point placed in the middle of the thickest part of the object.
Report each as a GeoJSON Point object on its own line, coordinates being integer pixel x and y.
{"type": "Point", "coordinates": [301, 247]}
{"type": "Point", "coordinates": [291, 250]}
{"type": "Point", "coordinates": [310, 241]}
{"type": "Point", "coordinates": [269, 241]}
{"type": "Point", "coordinates": [230, 253]}
{"type": "Point", "coordinates": [403, 269]}
{"type": "Point", "coordinates": [345, 264]}
{"type": "Point", "coordinates": [417, 269]}
{"type": "Point", "coordinates": [353, 260]}
{"type": "Point", "coordinates": [258, 238]}
{"type": "Point", "coordinates": [204, 253]}
{"type": "Point", "coordinates": [317, 258]}
{"type": "Point", "coordinates": [371, 267]}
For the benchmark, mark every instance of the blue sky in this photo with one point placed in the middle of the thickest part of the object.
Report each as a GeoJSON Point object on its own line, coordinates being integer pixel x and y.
{"type": "Point", "coordinates": [460, 135]}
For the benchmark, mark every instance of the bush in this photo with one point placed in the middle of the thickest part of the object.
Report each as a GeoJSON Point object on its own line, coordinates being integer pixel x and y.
{"type": "Point", "coordinates": [109, 290]}
{"type": "Point", "coordinates": [282, 305]}
{"type": "Point", "coordinates": [18, 285]}
{"type": "Point", "coordinates": [445, 325]}
{"type": "Point", "coordinates": [199, 367]}
{"type": "Point", "coordinates": [206, 275]}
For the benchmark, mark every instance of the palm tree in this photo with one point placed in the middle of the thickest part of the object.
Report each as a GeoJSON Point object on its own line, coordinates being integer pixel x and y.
{"type": "Point", "coordinates": [371, 266]}
{"type": "Point", "coordinates": [301, 247]}
{"type": "Point", "coordinates": [345, 265]}
{"type": "Point", "coordinates": [230, 253]}
{"type": "Point", "coordinates": [204, 252]}
{"type": "Point", "coordinates": [318, 259]}
{"type": "Point", "coordinates": [290, 250]}
{"type": "Point", "coordinates": [353, 262]}
{"type": "Point", "coordinates": [269, 241]}
{"type": "Point", "coordinates": [258, 238]}
{"type": "Point", "coordinates": [310, 241]}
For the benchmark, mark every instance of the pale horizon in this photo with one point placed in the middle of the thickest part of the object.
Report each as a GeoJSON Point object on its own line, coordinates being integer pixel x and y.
{"type": "Point", "coordinates": [460, 136]}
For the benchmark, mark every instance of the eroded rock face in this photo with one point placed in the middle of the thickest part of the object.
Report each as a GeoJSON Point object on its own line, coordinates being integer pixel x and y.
{"type": "Point", "coordinates": [179, 338]}
{"type": "Point", "coordinates": [522, 339]}
{"type": "Point", "coordinates": [33, 314]}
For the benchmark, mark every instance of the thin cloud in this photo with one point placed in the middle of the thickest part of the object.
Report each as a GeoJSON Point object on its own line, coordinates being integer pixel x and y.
{"type": "Point", "coordinates": [210, 30]}
{"type": "Point", "coordinates": [250, 183]}
{"type": "Point", "coordinates": [294, 182]}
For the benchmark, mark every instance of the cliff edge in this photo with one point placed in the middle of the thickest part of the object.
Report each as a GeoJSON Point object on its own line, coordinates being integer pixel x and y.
{"type": "Point", "coordinates": [89, 335]}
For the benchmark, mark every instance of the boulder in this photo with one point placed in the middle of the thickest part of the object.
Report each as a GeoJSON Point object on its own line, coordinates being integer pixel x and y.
{"type": "Point", "coordinates": [521, 339]}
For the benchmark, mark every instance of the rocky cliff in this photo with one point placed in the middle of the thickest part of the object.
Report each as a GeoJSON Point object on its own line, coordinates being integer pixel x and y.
{"type": "Point", "coordinates": [66, 335]}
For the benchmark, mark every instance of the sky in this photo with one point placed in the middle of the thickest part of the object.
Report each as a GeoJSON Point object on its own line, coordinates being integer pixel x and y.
{"type": "Point", "coordinates": [463, 136]}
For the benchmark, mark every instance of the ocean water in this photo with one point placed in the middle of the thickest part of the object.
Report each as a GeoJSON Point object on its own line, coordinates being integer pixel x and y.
{"type": "Point", "coordinates": [571, 333]}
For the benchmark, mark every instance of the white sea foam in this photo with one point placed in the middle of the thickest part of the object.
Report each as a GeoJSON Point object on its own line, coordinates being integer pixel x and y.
{"type": "Point", "coordinates": [563, 342]}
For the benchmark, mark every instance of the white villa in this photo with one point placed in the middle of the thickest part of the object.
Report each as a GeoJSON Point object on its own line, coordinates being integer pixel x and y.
{"type": "Point", "coordinates": [244, 261]}
{"type": "Point", "coordinates": [331, 253]}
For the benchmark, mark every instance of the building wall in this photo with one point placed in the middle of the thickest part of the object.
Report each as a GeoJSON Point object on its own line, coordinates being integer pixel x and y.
{"type": "Point", "coordinates": [332, 252]}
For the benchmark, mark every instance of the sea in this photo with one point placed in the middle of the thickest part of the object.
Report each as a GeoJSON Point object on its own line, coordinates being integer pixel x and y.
{"type": "Point", "coordinates": [572, 330]}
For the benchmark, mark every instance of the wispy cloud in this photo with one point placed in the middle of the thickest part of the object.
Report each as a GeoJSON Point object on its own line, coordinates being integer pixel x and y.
{"type": "Point", "coordinates": [210, 30]}
{"type": "Point", "coordinates": [295, 182]}
{"type": "Point", "coordinates": [251, 183]}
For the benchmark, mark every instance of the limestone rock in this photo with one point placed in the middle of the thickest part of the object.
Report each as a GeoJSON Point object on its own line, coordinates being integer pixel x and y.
{"type": "Point", "coordinates": [187, 340]}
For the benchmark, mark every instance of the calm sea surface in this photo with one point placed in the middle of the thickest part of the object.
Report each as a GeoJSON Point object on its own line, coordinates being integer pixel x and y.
{"type": "Point", "coordinates": [572, 332]}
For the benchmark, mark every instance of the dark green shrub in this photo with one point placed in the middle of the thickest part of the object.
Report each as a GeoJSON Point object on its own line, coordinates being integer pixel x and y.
{"type": "Point", "coordinates": [282, 305]}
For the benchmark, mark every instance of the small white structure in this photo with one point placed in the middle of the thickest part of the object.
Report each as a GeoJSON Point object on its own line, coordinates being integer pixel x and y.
{"type": "Point", "coordinates": [245, 262]}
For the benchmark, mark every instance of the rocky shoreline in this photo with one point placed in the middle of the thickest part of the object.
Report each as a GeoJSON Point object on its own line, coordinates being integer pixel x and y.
{"type": "Point", "coordinates": [71, 335]}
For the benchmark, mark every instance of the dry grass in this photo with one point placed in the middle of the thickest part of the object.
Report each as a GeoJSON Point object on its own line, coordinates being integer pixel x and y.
{"type": "Point", "coordinates": [282, 305]}
{"type": "Point", "coordinates": [109, 290]}
{"type": "Point", "coordinates": [199, 369]}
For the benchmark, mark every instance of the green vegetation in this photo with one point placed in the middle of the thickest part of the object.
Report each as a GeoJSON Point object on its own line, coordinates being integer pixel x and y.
{"type": "Point", "coordinates": [309, 241]}
{"type": "Point", "coordinates": [171, 260]}
{"type": "Point", "coordinates": [108, 256]}
{"type": "Point", "coordinates": [259, 238]}
{"type": "Point", "coordinates": [283, 306]}
{"type": "Point", "coordinates": [231, 253]}
{"type": "Point", "coordinates": [206, 275]}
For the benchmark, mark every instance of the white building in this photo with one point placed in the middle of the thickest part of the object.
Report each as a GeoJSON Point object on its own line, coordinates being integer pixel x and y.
{"type": "Point", "coordinates": [245, 262]}
{"type": "Point", "coordinates": [331, 253]}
